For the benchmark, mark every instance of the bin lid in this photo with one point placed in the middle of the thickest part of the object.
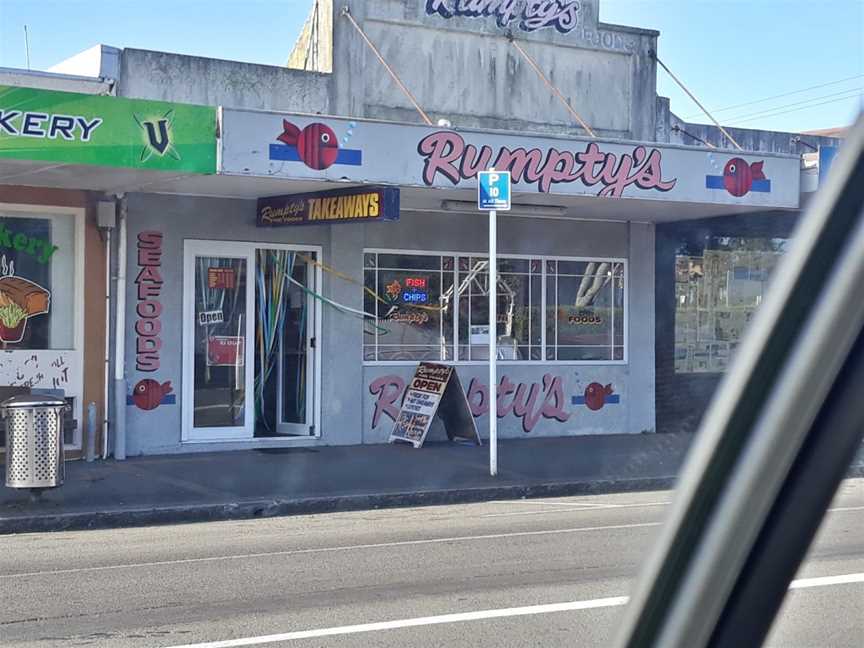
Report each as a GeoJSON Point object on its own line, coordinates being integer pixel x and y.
{"type": "Point", "coordinates": [33, 400]}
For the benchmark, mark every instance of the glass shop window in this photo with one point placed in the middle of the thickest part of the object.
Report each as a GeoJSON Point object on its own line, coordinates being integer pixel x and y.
{"type": "Point", "coordinates": [584, 310]}
{"type": "Point", "coordinates": [37, 281]}
{"type": "Point", "coordinates": [408, 306]}
{"type": "Point", "coordinates": [718, 288]}
{"type": "Point", "coordinates": [519, 308]}
{"type": "Point", "coordinates": [415, 304]}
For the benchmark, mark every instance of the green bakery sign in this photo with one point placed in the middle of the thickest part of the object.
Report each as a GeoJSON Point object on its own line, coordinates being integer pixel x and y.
{"type": "Point", "coordinates": [72, 128]}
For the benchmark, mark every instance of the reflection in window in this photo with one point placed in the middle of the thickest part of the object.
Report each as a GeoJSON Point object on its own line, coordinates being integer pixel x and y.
{"type": "Point", "coordinates": [585, 310]}
{"type": "Point", "coordinates": [718, 288]}
{"type": "Point", "coordinates": [418, 301]}
{"type": "Point", "coordinates": [405, 294]}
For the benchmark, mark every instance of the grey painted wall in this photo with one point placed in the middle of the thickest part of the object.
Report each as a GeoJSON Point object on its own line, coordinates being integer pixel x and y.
{"type": "Point", "coordinates": [347, 403]}
{"type": "Point", "coordinates": [672, 129]}
{"type": "Point", "coordinates": [213, 82]}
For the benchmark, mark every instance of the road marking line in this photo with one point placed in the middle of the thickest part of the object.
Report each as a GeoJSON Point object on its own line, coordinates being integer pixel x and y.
{"type": "Point", "coordinates": [420, 621]}
{"type": "Point", "coordinates": [593, 604]}
{"type": "Point", "coordinates": [570, 509]}
{"type": "Point", "coordinates": [845, 508]}
{"type": "Point", "coordinates": [587, 504]}
{"type": "Point", "coordinates": [378, 545]}
{"type": "Point", "coordinates": [822, 581]}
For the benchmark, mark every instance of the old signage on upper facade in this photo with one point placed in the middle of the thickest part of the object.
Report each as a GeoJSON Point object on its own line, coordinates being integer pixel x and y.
{"type": "Point", "coordinates": [527, 15]}
{"type": "Point", "coordinates": [359, 204]}
{"type": "Point", "coordinates": [275, 145]}
{"type": "Point", "coordinates": [72, 128]}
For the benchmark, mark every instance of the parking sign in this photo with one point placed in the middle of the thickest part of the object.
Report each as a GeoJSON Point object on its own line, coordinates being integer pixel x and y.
{"type": "Point", "coordinates": [493, 190]}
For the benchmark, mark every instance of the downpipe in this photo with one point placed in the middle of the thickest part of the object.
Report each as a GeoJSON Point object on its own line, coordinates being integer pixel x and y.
{"type": "Point", "coordinates": [120, 336]}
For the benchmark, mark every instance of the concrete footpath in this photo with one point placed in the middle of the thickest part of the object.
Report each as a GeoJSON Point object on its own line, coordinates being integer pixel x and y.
{"type": "Point", "coordinates": [264, 483]}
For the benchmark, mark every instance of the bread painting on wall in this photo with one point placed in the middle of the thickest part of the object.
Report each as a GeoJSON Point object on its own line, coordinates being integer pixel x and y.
{"type": "Point", "coordinates": [20, 299]}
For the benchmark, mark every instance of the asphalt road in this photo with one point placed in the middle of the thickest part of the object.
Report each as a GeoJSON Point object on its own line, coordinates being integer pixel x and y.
{"type": "Point", "coordinates": [525, 573]}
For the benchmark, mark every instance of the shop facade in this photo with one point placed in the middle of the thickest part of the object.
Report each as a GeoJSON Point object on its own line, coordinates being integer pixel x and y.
{"type": "Point", "coordinates": [298, 323]}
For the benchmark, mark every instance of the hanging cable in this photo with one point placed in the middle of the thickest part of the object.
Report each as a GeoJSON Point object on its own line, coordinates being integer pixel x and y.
{"type": "Point", "coordinates": [779, 96]}
{"type": "Point", "coordinates": [851, 93]}
{"type": "Point", "coordinates": [677, 129]}
{"type": "Point", "coordinates": [347, 13]}
{"type": "Point", "coordinates": [550, 85]}
{"type": "Point", "coordinates": [695, 100]}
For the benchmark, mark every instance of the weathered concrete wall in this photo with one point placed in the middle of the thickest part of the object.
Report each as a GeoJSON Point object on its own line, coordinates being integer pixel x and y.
{"type": "Point", "coordinates": [191, 79]}
{"type": "Point", "coordinates": [464, 69]}
{"type": "Point", "coordinates": [347, 403]}
{"type": "Point", "coordinates": [459, 68]}
{"type": "Point", "coordinates": [674, 130]}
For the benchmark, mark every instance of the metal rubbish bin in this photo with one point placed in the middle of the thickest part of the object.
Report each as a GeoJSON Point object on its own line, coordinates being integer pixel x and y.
{"type": "Point", "coordinates": [34, 441]}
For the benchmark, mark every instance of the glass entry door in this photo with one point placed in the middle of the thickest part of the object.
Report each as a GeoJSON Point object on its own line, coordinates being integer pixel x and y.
{"type": "Point", "coordinates": [218, 319]}
{"type": "Point", "coordinates": [250, 319]}
{"type": "Point", "coordinates": [295, 397]}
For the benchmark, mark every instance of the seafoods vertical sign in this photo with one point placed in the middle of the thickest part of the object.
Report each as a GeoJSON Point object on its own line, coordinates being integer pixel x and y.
{"type": "Point", "coordinates": [72, 128]}
{"type": "Point", "coordinates": [148, 394]}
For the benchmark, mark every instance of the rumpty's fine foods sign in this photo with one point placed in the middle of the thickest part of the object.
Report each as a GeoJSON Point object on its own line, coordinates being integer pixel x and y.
{"type": "Point", "coordinates": [527, 15]}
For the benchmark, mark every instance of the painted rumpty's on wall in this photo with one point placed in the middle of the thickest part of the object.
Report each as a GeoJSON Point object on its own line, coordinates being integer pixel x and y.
{"type": "Point", "coordinates": [554, 403]}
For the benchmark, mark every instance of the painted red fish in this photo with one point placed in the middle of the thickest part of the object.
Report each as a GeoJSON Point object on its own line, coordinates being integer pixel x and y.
{"type": "Point", "coordinates": [738, 177]}
{"type": "Point", "coordinates": [316, 144]}
{"type": "Point", "coordinates": [595, 395]}
{"type": "Point", "coordinates": [148, 393]}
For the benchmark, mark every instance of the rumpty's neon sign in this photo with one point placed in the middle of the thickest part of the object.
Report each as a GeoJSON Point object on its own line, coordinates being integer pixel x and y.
{"type": "Point", "coordinates": [563, 15]}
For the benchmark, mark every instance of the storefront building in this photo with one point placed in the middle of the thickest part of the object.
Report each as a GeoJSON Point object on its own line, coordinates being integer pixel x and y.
{"type": "Point", "coordinates": [64, 157]}
{"type": "Point", "coordinates": [298, 319]}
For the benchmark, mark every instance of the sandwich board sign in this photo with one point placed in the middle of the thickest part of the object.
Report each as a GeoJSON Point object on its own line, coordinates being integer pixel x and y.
{"type": "Point", "coordinates": [434, 390]}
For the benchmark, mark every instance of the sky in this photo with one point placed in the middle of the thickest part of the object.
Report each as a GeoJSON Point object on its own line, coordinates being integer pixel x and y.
{"type": "Point", "coordinates": [727, 52]}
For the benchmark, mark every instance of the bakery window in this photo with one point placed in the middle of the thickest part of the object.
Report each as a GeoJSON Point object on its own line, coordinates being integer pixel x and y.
{"type": "Point", "coordinates": [37, 281]}
{"type": "Point", "coordinates": [426, 306]}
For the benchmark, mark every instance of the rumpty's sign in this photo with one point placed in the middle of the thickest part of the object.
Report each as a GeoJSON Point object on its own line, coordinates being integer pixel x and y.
{"type": "Point", "coordinates": [529, 15]}
{"type": "Point", "coordinates": [379, 153]}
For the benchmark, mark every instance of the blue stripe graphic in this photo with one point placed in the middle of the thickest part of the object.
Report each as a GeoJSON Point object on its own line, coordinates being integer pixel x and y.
{"type": "Point", "coordinates": [168, 399]}
{"type": "Point", "coordinates": [285, 153]}
{"type": "Point", "coordinates": [759, 186]}
{"type": "Point", "coordinates": [611, 399]}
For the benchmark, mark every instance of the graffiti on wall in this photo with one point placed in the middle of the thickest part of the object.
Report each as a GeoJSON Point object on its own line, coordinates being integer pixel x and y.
{"type": "Point", "coordinates": [42, 369]}
{"type": "Point", "coordinates": [445, 152]}
{"type": "Point", "coordinates": [530, 402]}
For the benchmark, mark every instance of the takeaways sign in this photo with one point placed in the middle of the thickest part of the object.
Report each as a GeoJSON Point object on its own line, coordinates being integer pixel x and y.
{"type": "Point", "coordinates": [325, 207]}
{"type": "Point", "coordinates": [71, 128]}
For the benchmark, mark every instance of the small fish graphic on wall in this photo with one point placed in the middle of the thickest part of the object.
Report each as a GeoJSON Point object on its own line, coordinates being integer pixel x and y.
{"type": "Point", "coordinates": [148, 394]}
{"type": "Point", "coordinates": [740, 178]}
{"type": "Point", "coordinates": [316, 145]}
{"type": "Point", "coordinates": [596, 396]}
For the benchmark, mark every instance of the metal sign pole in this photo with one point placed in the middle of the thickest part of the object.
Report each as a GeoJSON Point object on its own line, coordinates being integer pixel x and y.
{"type": "Point", "coordinates": [493, 339]}
{"type": "Point", "coordinates": [493, 195]}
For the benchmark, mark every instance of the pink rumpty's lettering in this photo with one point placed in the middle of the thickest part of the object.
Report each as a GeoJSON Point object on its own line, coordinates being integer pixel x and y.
{"type": "Point", "coordinates": [445, 152]}
{"type": "Point", "coordinates": [389, 391]}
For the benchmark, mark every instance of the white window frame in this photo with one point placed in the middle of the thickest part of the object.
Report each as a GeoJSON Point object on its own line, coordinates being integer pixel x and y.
{"type": "Point", "coordinates": [25, 210]}
{"type": "Point", "coordinates": [242, 250]}
{"type": "Point", "coordinates": [543, 341]}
